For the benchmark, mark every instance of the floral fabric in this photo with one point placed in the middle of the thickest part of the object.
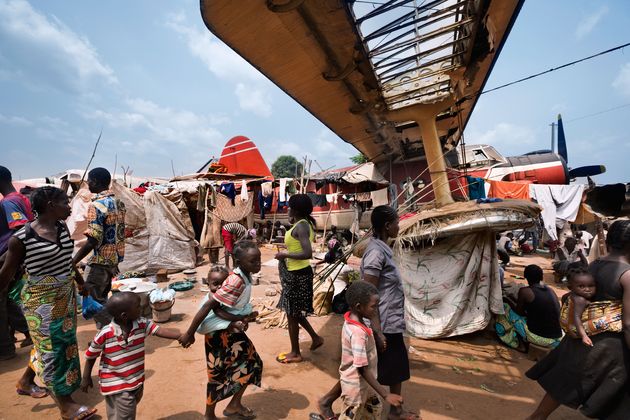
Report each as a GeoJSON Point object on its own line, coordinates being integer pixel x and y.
{"type": "Point", "coordinates": [452, 287]}
{"type": "Point", "coordinates": [50, 311]}
{"type": "Point", "coordinates": [511, 327]}
{"type": "Point", "coordinates": [232, 362]}
{"type": "Point", "coordinates": [106, 224]}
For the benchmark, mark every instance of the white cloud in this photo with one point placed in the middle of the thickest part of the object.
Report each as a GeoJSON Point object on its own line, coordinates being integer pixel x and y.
{"type": "Point", "coordinates": [253, 99]}
{"type": "Point", "coordinates": [163, 124]}
{"type": "Point", "coordinates": [42, 45]}
{"type": "Point", "coordinates": [505, 133]}
{"type": "Point", "coordinates": [324, 147]}
{"type": "Point", "coordinates": [14, 120]}
{"type": "Point", "coordinates": [622, 81]}
{"type": "Point", "coordinates": [217, 56]}
{"type": "Point", "coordinates": [251, 87]}
{"type": "Point", "coordinates": [588, 23]}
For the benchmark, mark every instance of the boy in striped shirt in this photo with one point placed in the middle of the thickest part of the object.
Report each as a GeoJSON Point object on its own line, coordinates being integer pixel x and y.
{"type": "Point", "coordinates": [357, 371]}
{"type": "Point", "coordinates": [121, 347]}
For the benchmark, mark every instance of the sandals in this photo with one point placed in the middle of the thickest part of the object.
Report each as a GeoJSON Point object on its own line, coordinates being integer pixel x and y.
{"type": "Point", "coordinates": [83, 413]}
{"type": "Point", "coordinates": [282, 358]}
{"type": "Point", "coordinates": [34, 392]}
{"type": "Point", "coordinates": [245, 414]}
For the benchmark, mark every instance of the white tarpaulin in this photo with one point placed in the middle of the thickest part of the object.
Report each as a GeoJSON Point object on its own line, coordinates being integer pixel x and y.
{"type": "Point", "coordinates": [557, 202]}
{"type": "Point", "coordinates": [160, 239]}
{"type": "Point", "coordinates": [452, 287]}
{"type": "Point", "coordinates": [171, 242]}
{"type": "Point", "coordinates": [364, 172]}
{"type": "Point", "coordinates": [77, 222]}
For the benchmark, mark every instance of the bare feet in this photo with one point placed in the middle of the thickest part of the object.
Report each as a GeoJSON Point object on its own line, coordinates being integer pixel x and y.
{"type": "Point", "coordinates": [209, 414]}
{"type": "Point", "coordinates": [239, 412]}
{"type": "Point", "coordinates": [317, 343]}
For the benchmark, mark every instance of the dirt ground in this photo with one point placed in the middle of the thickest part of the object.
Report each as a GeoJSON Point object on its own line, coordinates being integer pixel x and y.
{"type": "Point", "coordinates": [469, 377]}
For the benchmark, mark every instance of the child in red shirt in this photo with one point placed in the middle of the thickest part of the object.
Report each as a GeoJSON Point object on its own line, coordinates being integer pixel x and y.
{"type": "Point", "coordinates": [121, 347]}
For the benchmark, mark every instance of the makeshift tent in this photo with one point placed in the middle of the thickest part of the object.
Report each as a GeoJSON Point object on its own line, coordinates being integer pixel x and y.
{"type": "Point", "coordinates": [159, 238]}
{"type": "Point", "coordinates": [365, 172]}
{"type": "Point", "coordinates": [452, 287]}
{"type": "Point", "coordinates": [448, 262]}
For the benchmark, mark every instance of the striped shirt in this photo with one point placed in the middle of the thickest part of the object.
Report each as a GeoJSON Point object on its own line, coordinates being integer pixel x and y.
{"type": "Point", "coordinates": [234, 292]}
{"type": "Point", "coordinates": [358, 349]}
{"type": "Point", "coordinates": [44, 257]}
{"type": "Point", "coordinates": [237, 230]}
{"type": "Point", "coordinates": [122, 361]}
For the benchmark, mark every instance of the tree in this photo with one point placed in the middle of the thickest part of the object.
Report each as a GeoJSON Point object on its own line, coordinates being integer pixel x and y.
{"type": "Point", "coordinates": [286, 167]}
{"type": "Point", "coordinates": [359, 159]}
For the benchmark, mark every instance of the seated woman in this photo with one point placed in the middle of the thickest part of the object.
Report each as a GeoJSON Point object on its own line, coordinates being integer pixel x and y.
{"type": "Point", "coordinates": [535, 318]}
{"type": "Point", "coordinates": [567, 256]}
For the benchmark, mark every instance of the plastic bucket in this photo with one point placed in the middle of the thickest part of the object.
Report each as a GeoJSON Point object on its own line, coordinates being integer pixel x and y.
{"type": "Point", "coordinates": [162, 310]}
{"type": "Point", "coordinates": [142, 289]}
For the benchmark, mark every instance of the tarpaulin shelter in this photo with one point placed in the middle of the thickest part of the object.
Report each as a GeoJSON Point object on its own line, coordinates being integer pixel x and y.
{"type": "Point", "coordinates": [448, 263]}
{"type": "Point", "coordinates": [158, 236]}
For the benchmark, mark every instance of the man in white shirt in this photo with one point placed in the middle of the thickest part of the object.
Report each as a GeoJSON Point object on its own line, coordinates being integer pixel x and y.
{"type": "Point", "coordinates": [584, 238]}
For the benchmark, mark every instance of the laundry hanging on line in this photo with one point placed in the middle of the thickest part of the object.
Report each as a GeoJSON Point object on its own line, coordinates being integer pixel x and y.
{"type": "Point", "coordinates": [558, 202]}
{"type": "Point", "coordinates": [476, 187]}
{"type": "Point", "coordinates": [513, 190]}
{"type": "Point", "coordinates": [380, 197]}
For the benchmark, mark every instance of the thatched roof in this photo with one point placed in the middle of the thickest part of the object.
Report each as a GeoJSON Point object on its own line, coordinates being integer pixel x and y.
{"type": "Point", "coordinates": [467, 217]}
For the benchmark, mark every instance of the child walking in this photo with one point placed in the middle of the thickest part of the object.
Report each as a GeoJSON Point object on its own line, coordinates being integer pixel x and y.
{"type": "Point", "coordinates": [231, 358]}
{"type": "Point", "coordinates": [358, 367]}
{"type": "Point", "coordinates": [121, 347]}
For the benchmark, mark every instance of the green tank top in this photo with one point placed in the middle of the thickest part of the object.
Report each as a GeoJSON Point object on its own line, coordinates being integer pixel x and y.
{"type": "Point", "coordinates": [294, 245]}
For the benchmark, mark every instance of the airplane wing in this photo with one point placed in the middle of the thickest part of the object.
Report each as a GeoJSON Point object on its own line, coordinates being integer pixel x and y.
{"type": "Point", "coordinates": [351, 64]}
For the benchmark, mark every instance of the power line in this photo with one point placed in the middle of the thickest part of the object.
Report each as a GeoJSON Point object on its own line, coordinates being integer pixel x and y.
{"type": "Point", "coordinates": [553, 69]}
{"type": "Point", "coordinates": [598, 113]}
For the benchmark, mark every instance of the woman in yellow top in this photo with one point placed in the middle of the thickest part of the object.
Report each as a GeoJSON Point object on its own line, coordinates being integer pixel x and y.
{"type": "Point", "coordinates": [296, 276]}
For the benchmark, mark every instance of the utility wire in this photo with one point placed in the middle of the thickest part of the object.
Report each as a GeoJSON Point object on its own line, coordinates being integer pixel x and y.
{"type": "Point", "coordinates": [597, 113]}
{"type": "Point", "coordinates": [552, 69]}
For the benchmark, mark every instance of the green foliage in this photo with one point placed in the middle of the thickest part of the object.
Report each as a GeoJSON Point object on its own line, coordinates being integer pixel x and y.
{"type": "Point", "coordinates": [286, 167]}
{"type": "Point", "coordinates": [359, 159]}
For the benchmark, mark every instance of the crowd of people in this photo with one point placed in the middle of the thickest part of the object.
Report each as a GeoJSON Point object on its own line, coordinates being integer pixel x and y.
{"type": "Point", "coordinates": [589, 333]}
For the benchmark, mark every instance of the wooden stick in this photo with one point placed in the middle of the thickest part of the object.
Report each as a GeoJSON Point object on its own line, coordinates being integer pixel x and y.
{"type": "Point", "coordinates": [93, 154]}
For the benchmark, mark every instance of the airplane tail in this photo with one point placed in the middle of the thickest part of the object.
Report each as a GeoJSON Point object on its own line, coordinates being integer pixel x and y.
{"type": "Point", "coordinates": [562, 142]}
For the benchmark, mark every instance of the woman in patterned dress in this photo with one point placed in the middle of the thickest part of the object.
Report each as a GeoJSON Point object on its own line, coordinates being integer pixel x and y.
{"type": "Point", "coordinates": [49, 297]}
{"type": "Point", "coordinates": [231, 358]}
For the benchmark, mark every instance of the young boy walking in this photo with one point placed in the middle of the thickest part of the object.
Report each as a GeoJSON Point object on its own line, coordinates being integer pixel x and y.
{"type": "Point", "coordinates": [121, 347]}
{"type": "Point", "coordinates": [358, 367]}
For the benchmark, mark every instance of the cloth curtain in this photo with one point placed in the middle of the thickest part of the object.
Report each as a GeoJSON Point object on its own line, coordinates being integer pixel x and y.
{"type": "Point", "coordinates": [451, 288]}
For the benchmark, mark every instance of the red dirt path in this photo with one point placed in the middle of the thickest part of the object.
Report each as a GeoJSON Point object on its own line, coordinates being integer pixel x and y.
{"type": "Point", "coordinates": [470, 377]}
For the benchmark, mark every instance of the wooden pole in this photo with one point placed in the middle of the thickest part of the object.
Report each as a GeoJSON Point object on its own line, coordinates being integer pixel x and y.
{"type": "Point", "coordinates": [98, 140]}
{"type": "Point", "coordinates": [437, 164]}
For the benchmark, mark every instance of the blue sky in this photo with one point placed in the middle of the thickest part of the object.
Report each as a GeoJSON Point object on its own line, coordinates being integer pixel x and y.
{"type": "Point", "coordinates": [163, 88]}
